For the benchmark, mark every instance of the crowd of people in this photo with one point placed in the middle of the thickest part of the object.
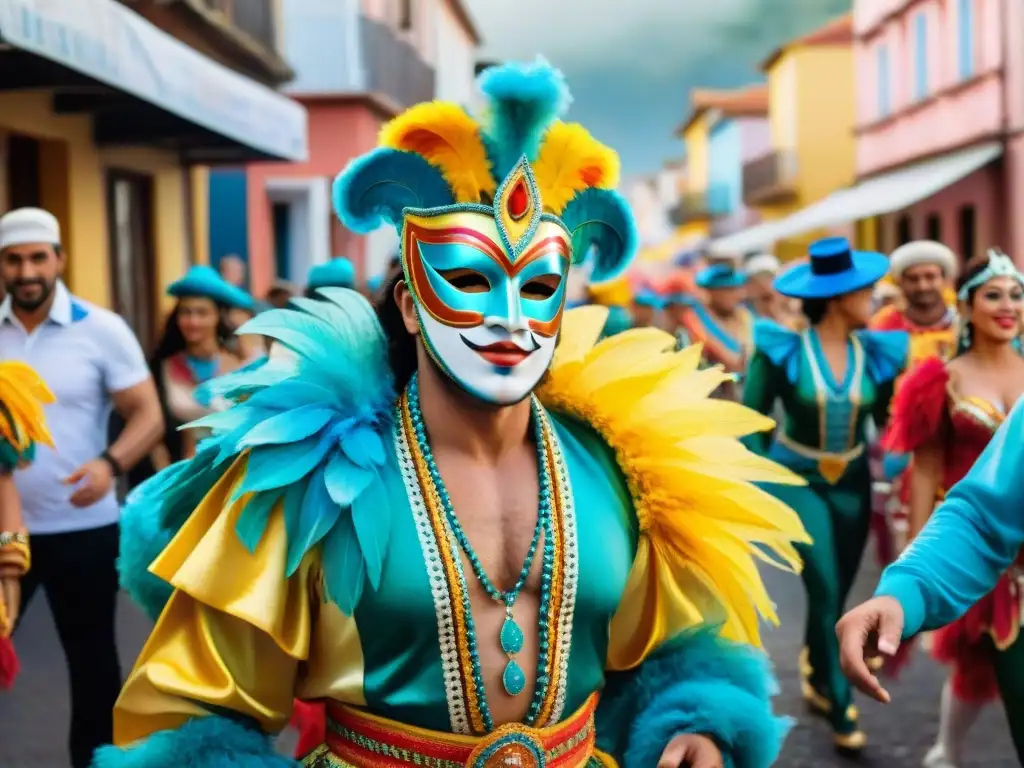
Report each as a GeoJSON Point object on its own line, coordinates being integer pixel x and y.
{"type": "Point", "coordinates": [445, 527]}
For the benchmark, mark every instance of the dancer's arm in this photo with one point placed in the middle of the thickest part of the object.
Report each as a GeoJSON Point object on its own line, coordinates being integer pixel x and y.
{"type": "Point", "coordinates": [925, 480]}
{"type": "Point", "coordinates": [974, 535]}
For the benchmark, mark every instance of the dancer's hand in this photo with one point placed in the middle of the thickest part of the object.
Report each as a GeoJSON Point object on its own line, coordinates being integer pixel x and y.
{"type": "Point", "coordinates": [869, 629]}
{"type": "Point", "coordinates": [691, 750]}
{"type": "Point", "coordinates": [10, 603]}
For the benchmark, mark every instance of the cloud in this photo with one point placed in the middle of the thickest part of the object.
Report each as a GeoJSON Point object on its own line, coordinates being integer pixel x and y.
{"type": "Point", "coordinates": [631, 65]}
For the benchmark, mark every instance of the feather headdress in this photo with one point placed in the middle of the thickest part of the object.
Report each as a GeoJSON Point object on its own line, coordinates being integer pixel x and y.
{"type": "Point", "coordinates": [437, 154]}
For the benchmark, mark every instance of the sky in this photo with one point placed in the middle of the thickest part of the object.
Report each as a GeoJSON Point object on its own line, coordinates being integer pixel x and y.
{"type": "Point", "coordinates": [630, 71]}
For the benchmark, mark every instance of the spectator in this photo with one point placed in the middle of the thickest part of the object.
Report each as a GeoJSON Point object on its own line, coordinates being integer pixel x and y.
{"type": "Point", "coordinates": [279, 296]}
{"type": "Point", "coordinates": [232, 269]}
{"type": "Point", "coordinates": [91, 360]}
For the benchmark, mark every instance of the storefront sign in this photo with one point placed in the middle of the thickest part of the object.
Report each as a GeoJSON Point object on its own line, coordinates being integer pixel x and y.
{"type": "Point", "coordinates": [112, 44]}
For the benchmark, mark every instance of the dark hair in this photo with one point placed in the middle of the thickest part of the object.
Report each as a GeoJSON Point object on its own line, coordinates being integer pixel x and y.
{"type": "Point", "coordinates": [814, 309]}
{"type": "Point", "coordinates": [401, 344]}
{"type": "Point", "coordinates": [172, 340]}
{"type": "Point", "coordinates": [974, 268]}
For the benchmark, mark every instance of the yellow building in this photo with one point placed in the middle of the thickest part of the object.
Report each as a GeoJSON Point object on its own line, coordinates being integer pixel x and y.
{"type": "Point", "coordinates": [113, 134]}
{"type": "Point", "coordinates": [811, 112]}
{"type": "Point", "coordinates": [703, 201]}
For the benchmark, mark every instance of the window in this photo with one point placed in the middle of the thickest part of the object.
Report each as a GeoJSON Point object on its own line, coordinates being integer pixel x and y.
{"type": "Point", "coordinates": [967, 232]}
{"type": "Point", "coordinates": [405, 15]}
{"type": "Point", "coordinates": [920, 56]}
{"type": "Point", "coordinates": [904, 230]}
{"type": "Point", "coordinates": [24, 179]}
{"type": "Point", "coordinates": [965, 38]}
{"type": "Point", "coordinates": [281, 223]}
{"type": "Point", "coordinates": [884, 105]}
{"type": "Point", "coordinates": [933, 226]}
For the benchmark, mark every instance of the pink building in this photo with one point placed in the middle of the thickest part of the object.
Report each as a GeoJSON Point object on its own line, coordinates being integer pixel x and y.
{"type": "Point", "coordinates": [940, 114]}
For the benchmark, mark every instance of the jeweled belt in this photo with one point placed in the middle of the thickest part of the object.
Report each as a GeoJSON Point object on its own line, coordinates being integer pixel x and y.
{"type": "Point", "coordinates": [831, 466]}
{"type": "Point", "coordinates": [356, 739]}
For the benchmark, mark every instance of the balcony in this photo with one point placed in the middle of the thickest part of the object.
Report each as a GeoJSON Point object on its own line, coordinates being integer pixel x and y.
{"type": "Point", "coordinates": [393, 67]}
{"type": "Point", "coordinates": [770, 178]}
{"type": "Point", "coordinates": [253, 17]}
{"type": "Point", "coordinates": [701, 205]}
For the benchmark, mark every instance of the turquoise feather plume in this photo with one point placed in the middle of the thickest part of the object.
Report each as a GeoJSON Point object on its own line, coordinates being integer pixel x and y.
{"type": "Point", "coordinates": [524, 99]}
{"type": "Point", "coordinates": [603, 230]}
{"type": "Point", "coordinates": [376, 187]}
{"type": "Point", "coordinates": [315, 431]}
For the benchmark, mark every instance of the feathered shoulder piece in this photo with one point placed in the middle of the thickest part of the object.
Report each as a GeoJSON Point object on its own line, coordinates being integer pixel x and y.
{"type": "Point", "coordinates": [305, 436]}
{"type": "Point", "coordinates": [704, 523]}
{"type": "Point", "coordinates": [22, 424]}
{"type": "Point", "coordinates": [918, 407]}
{"type": "Point", "coordinates": [438, 155]}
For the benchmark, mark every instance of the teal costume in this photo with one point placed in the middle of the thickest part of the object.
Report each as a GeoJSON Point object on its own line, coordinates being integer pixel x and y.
{"type": "Point", "coordinates": [822, 439]}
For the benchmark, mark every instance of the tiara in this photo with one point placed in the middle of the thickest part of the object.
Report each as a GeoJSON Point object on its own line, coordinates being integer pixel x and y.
{"type": "Point", "coordinates": [999, 265]}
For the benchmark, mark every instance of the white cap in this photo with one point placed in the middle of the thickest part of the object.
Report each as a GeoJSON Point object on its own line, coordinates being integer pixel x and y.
{"type": "Point", "coordinates": [760, 264]}
{"type": "Point", "coordinates": [28, 225]}
{"type": "Point", "coordinates": [922, 252]}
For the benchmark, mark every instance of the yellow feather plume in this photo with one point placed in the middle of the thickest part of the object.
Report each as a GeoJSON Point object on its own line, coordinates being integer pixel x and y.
{"type": "Point", "coordinates": [704, 524]}
{"type": "Point", "coordinates": [449, 139]}
{"type": "Point", "coordinates": [22, 397]}
{"type": "Point", "coordinates": [571, 160]}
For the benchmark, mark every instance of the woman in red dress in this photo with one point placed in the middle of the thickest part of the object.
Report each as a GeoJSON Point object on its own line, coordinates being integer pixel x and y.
{"type": "Point", "coordinates": [945, 413]}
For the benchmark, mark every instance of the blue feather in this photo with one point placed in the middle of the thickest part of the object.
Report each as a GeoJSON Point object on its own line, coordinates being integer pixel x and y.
{"type": "Point", "coordinates": [317, 516]}
{"type": "Point", "coordinates": [343, 567]}
{"type": "Point", "coordinates": [345, 480]}
{"type": "Point", "coordinates": [524, 99]}
{"type": "Point", "coordinates": [296, 330]}
{"type": "Point", "coordinates": [288, 426]}
{"type": "Point", "coordinates": [603, 228]}
{"type": "Point", "coordinates": [375, 188]}
{"type": "Point", "coordinates": [371, 515]}
{"type": "Point", "coordinates": [252, 521]}
{"type": "Point", "coordinates": [276, 466]}
{"type": "Point", "coordinates": [363, 446]}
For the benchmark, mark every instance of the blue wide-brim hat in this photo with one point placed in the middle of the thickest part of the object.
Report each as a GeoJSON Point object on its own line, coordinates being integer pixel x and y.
{"type": "Point", "coordinates": [720, 276]}
{"type": "Point", "coordinates": [648, 299]}
{"type": "Point", "coordinates": [336, 273]}
{"type": "Point", "coordinates": [678, 299]}
{"type": "Point", "coordinates": [203, 281]}
{"type": "Point", "coordinates": [834, 268]}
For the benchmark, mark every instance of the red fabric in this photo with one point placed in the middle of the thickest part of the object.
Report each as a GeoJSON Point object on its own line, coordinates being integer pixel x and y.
{"type": "Point", "coordinates": [309, 718]}
{"type": "Point", "coordinates": [888, 319]}
{"type": "Point", "coordinates": [9, 665]}
{"type": "Point", "coordinates": [918, 407]}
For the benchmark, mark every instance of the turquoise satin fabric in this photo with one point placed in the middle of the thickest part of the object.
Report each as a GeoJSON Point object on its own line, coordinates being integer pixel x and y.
{"type": "Point", "coordinates": [398, 625]}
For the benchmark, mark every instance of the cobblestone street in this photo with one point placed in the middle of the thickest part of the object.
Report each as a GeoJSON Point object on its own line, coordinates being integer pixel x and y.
{"type": "Point", "coordinates": [33, 720]}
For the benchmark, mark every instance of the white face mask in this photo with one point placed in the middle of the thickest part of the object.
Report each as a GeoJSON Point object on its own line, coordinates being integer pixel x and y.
{"type": "Point", "coordinates": [489, 315]}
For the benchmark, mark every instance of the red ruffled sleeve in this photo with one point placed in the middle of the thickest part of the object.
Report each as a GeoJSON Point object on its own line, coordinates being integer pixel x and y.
{"type": "Point", "coordinates": [917, 407]}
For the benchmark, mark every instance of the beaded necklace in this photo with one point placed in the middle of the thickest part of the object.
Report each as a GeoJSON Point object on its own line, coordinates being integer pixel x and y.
{"type": "Point", "coordinates": [511, 636]}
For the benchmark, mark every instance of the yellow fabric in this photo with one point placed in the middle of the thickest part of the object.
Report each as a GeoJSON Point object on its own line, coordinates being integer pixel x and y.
{"type": "Point", "coordinates": [617, 293]}
{"type": "Point", "coordinates": [569, 161]}
{"type": "Point", "coordinates": [23, 394]}
{"type": "Point", "coordinates": [449, 138]}
{"type": "Point", "coordinates": [703, 524]}
{"type": "Point", "coordinates": [236, 634]}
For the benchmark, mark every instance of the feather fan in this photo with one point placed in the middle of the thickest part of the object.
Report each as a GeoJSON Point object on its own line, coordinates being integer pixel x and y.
{"type": "Point", "coordinates": [449, 139]}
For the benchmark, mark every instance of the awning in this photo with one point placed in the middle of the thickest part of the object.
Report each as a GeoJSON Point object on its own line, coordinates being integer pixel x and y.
{"type": "Point", "coordinates": [143, 85]}
{"type": "Point", "coordinates": [881, 194]}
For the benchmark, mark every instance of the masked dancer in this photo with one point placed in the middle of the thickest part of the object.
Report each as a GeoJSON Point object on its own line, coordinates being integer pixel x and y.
{"type": "Point", "coordinates": [832, 379]}
{"type": "Point", "coordinates": [531, 549]}
{"type": "Point", "coordinates": [22, 397]}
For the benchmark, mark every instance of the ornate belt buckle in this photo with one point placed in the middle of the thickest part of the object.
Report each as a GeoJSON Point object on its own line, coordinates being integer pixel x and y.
{"type": "Point", "coordinates": [832, 468]}
{"type": "Point", "coordinates": [511, 746]}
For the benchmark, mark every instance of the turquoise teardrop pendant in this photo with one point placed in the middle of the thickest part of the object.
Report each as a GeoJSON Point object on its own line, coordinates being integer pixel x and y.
{"type": "Point", "coordinates": [513, 678]}
{"type": "Point", "coordinates": [511, 637]}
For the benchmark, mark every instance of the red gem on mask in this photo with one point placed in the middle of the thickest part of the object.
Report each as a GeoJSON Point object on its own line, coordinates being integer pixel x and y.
{"type": "Point", "coordinates": [518, 200]}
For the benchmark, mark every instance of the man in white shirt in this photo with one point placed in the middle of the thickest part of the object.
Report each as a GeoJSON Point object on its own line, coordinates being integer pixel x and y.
{"type": "Point", "coordinates": [92, 361]}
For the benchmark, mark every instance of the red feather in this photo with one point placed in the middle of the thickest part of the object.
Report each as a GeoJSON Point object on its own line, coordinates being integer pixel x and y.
{"type": "Point", "coordinates": [9, 665]}
{"type": "Point", "coordinates": [918, 407]}
{"type": "Point", "coordinates": [309, 718]}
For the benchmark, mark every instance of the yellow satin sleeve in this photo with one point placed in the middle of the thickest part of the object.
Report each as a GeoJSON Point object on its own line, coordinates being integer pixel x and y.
{"type": "Point", "coordinates": [236, 634]}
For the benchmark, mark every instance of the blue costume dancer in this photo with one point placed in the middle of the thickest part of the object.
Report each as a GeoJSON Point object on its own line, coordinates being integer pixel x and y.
{"type": "Point", "coordinates": [337, 540]}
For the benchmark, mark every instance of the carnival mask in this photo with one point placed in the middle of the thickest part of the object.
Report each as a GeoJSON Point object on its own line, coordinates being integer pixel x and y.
{"type": "Point", "coordinates": [491, 218]}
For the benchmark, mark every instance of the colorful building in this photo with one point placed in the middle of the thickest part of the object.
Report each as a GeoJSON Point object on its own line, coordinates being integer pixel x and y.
{"type": "Point", "coordinates": [109, 116]}
{"type": "Point", "coordinates": [939, 126]}
{"type": "Point", "coordinates": [811, 113]}
{"type": "Point", "coordinates": [724, 130]}
{"type": "Point", "coordinates": [358, 64]}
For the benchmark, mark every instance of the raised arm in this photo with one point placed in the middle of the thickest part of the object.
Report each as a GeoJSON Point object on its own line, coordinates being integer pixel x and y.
{"type": "Point", "coordinates": [972, 537]}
